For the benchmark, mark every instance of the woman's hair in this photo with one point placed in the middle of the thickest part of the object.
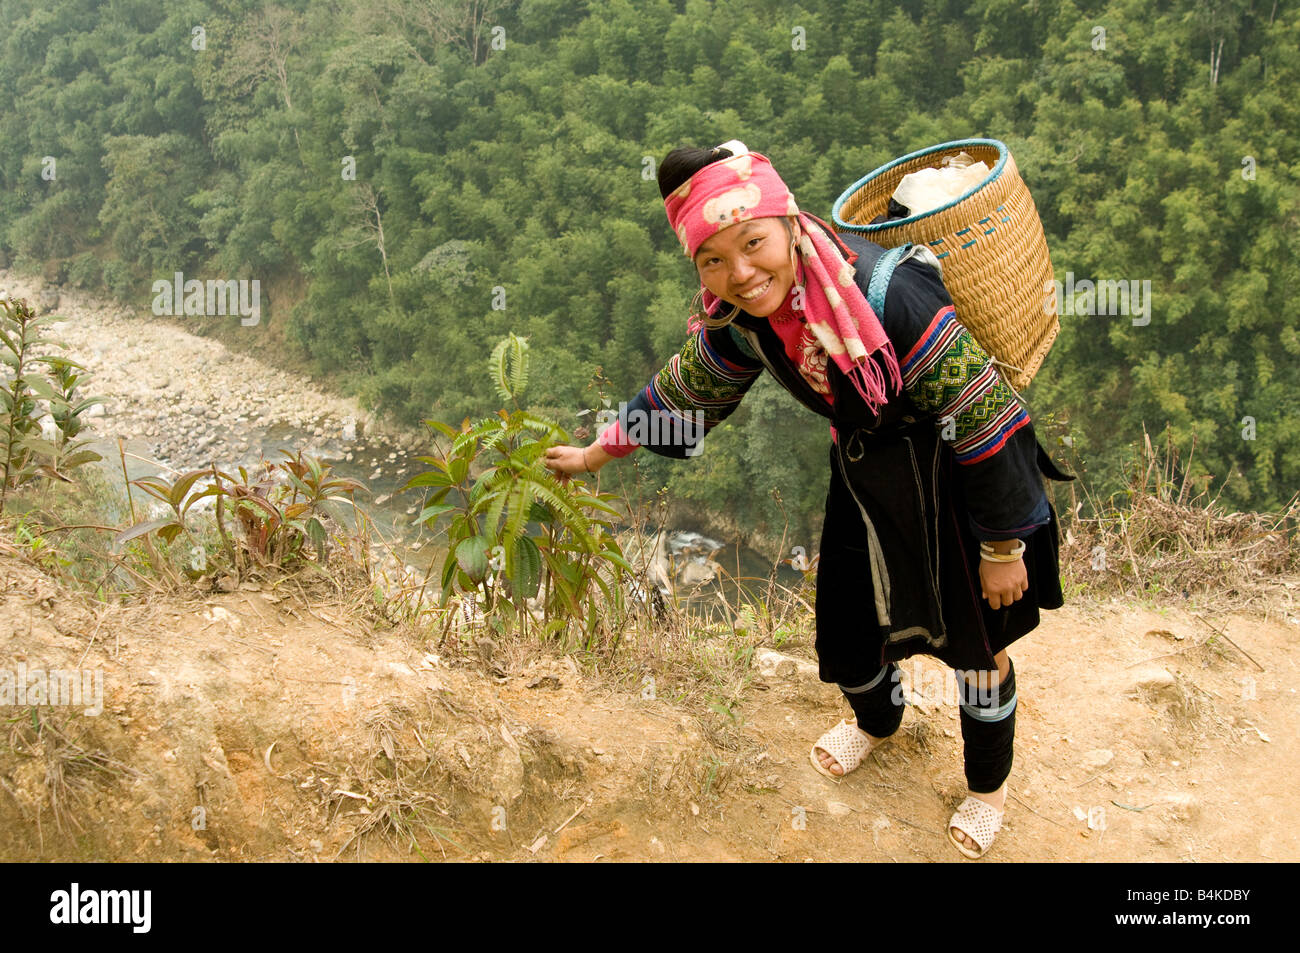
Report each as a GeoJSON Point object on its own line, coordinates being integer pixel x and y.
{"type": "Point", "coordinates": [682, 163]}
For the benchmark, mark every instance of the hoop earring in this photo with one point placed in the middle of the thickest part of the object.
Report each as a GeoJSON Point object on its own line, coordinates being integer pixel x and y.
{"type": "Point", "coordinates": [716, 323]}
{"type": "Point", "coordinates": [697, 305]}
{"type": "Point", "coordinates": [698, 312]}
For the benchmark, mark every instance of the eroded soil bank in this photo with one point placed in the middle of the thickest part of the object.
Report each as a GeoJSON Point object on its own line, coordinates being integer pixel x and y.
{"type": "Point", "coordinates": [275, 724]}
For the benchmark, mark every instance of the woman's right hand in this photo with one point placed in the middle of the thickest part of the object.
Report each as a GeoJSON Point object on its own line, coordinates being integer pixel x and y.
{"type": "Point", "coordinates": [568, 461]}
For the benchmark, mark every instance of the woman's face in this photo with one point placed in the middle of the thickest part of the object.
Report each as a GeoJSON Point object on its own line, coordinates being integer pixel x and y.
{"type": "Point", "coordinates": [749, 265]}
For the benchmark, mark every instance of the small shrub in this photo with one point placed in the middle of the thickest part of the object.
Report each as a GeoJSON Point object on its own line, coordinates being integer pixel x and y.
{"type": "Point", "coordinates": [276, 514]}
{"type": "Point", "coordinates": [518, 537]}
{"type": "Point", "coordinates": [119, 280]}
{"type": "Point", "coordinates": [85, 271]}
{"type": "Point", "coordinates": [33, 444]}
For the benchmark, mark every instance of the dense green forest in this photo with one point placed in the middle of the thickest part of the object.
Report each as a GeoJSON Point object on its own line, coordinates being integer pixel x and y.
{"type": "Point", "coordinates": [411, 179]}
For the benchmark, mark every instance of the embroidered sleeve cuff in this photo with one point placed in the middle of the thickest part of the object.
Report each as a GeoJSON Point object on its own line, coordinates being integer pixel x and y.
{"type": "Point", "coordinates": [614, 441]}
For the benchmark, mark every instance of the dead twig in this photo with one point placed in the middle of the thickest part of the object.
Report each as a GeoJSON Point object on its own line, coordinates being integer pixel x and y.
{"type": "Point", "coordinates": [1228, 640]}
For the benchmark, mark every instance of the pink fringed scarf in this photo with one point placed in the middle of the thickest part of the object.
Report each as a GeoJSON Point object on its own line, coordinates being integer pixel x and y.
{"type": "Point", "coordinates": [733, 190]}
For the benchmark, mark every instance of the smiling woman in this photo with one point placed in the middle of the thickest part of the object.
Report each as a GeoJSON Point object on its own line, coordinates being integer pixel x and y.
{"type": "Point", "coordinates": [750, 266]}
{"type": "Point", "coordinates": [938, 538]}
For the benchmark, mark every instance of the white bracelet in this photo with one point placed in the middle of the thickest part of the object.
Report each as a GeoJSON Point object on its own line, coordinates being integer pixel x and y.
{"type": "Point", "coordinates": [987, 552]}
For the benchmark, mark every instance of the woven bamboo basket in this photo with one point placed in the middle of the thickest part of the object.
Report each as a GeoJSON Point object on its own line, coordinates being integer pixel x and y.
{"type": "Point", "coordinates": [989, 242]}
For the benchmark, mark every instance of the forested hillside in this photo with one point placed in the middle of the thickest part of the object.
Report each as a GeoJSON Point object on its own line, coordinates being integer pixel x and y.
{"type": "Point", "coordinates": [412, 179]}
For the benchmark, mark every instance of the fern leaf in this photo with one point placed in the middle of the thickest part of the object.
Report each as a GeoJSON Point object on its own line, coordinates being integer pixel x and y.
{"type": "Point", "coordinates": [497, 365]}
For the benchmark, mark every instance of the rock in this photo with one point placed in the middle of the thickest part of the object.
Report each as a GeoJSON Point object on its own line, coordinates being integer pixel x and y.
{"type": "Point", "coordinates": [838, 809]}
{"type": "Point", "coordinates": [1180, 807]}
{"type": "Point", "coordinates": [1098, 758]}
{"type": "Point", "coordinates": [774, 664]}
{"type": "Point", "coordinates": [1154, 681]}
{"type": "Point", "coordinates": [694, 574]}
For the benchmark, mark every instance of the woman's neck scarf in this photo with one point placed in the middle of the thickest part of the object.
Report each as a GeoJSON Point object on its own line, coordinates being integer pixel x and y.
{"type": "Point", "coordinates": [730, 191]}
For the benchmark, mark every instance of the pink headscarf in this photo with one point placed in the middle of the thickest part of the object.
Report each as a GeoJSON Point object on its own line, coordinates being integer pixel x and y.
{"type": "Point", "coordinates": [745, 186]}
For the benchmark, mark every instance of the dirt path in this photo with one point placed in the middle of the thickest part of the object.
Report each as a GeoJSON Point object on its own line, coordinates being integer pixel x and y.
{"type": "Point", "coordinates": [262, 725]}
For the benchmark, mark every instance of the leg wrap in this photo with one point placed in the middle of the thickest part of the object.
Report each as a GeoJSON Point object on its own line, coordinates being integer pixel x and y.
{"type": "Point", "coordinates": [988, 728]}
{"type": "Point", "coordinates": [878, 703]}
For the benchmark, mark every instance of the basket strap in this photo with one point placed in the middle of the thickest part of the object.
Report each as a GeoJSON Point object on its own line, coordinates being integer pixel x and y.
{"type": "Point", "coordinates": [881, 274]}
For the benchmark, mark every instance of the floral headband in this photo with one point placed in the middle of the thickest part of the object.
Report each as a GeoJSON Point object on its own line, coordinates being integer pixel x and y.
{"type": "Point", "coordinates": [725, 193]}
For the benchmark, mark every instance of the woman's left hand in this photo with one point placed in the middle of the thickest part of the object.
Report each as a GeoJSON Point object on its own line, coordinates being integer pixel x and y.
{"type": "Point", "coordinates": [1003, 583]}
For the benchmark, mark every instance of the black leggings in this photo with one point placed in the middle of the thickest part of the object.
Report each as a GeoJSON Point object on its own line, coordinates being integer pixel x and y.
{"type": "Point", "coordinates": [988, 721]}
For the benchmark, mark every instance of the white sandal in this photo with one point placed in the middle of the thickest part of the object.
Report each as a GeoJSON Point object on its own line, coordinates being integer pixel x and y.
{"type": "Point", "coordinates": [846, 743]}
{"type": "Point", "coordinates": [978, 820]}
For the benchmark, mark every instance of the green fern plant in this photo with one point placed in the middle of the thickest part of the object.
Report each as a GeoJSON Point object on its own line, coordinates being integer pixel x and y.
{"type": "Point", "coordinates": [509, 364]}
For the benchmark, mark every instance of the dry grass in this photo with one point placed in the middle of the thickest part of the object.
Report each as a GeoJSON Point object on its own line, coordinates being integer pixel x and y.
{"type": "Point", "coordinates": [391, 787]}
{"type": "Point", "coordinates": [1191, 714]}
{"type": "Point", "coordinates": [1175, 540]}
{"type": "Point", "coordinates": [919, 734]}
{"type": "Point", "coordinates": [72, 772]}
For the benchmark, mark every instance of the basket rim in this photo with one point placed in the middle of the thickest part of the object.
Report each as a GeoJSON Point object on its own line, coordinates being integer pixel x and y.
{"type": "Point", "coordinates": [1003, 155]}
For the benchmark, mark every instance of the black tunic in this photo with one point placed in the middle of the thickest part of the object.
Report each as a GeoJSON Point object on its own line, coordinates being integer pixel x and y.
{"type": "Point", "coordinates": [898, 572]}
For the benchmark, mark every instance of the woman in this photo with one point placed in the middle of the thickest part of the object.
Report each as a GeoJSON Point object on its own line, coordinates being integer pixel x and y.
{"type": "Point", "coordinates": [938, 535]}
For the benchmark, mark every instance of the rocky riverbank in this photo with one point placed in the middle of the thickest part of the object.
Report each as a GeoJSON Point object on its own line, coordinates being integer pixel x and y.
{"type": "Point", "coordinates": [183, 401]}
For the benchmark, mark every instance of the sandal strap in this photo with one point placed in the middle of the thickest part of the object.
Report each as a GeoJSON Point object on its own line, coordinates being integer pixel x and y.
{"type": "Point", "coordinates": [979, 820]}
{"type": "Point", "coordinates": [846, 744]}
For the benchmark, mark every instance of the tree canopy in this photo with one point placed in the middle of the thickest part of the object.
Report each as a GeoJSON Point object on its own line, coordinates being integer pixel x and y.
{"type": "Point", "coordinates": [414, 179]}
